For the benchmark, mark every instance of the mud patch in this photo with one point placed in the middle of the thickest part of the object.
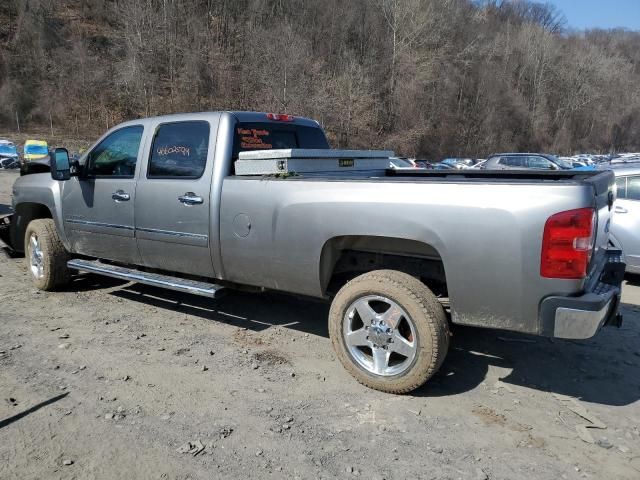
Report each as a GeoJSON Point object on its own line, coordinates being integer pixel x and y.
{"type": "Point", "coordinates": [246, 338]}
{"type": "Point", "coordinates": [271, 358]}
{"type": "Point", "coordinates": [489, 416]}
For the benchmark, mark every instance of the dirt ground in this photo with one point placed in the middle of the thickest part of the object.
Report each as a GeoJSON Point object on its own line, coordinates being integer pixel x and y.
{"type": "Point", "coordinates": [110, 380]}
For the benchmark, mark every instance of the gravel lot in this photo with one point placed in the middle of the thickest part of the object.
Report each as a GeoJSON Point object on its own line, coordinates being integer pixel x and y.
{"type": "Point", "coordinates": [116, 380]}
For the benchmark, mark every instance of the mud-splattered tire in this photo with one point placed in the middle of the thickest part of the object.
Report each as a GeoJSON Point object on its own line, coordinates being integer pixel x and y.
{"type": "Point", "coordinates": [389, 331]}
{"type": "Point", "coordinates": [45, 255]}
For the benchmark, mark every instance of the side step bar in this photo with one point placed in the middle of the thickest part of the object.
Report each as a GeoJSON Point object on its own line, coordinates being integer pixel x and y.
{"type": "Point", "coordinates": [203, 289]}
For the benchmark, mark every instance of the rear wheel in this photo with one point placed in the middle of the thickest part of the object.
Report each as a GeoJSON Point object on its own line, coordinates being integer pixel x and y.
{"type": "Point", "coordinates": [45, 255]}
{"type": "Point", "coordinates": [389, 331]}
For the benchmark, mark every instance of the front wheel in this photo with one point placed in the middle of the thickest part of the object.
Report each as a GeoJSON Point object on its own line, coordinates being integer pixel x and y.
{"type": "Point", "coordinates": [389, 331]}
{"type": "Point", "coordinates": [45, 255]}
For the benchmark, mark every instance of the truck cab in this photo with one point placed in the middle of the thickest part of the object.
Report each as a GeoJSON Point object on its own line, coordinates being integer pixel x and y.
{"type": "Point", "coordinates": [145, 188]}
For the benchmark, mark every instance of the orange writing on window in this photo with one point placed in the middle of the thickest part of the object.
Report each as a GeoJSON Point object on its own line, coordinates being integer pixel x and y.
{"type": "Point", "coordinates": [252, 139]}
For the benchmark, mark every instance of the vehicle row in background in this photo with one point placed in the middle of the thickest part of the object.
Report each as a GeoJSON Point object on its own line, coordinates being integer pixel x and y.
{"type": "Point", "coordinates": [35, 157]}
{"type": "Point", "coordinates": [536, 161]}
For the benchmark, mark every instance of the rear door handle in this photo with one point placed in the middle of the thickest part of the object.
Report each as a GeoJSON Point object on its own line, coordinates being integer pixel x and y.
{"type": "Point", "coordinates": [190, 198]}
{"type": "Point", "coordinates": [120, 196]}
{"type": "Point", "coordinates": [620, 209]}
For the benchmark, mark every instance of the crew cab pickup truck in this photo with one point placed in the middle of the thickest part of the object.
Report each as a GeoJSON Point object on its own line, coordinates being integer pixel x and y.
{"type": "Point", "coordinates": [400, 255]}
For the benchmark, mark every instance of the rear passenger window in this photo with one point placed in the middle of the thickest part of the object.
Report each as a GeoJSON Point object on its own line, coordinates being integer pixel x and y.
{"type": "Point", "coordinates": [179, 150]}
{"type": "Point", "coordinates": [621, 187]}
{"type": "Point", "coordinates": [633, 188]}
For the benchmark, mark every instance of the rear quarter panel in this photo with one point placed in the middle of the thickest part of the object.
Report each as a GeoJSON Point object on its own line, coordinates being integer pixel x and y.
{"type": "Point", "coordinates": [488, 235]}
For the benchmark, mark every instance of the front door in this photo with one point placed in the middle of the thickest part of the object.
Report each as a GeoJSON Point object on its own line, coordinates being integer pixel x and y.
{"type": "Point", "coordinates": [173, 201]}
{"type": "Point", "coordinates": [98, 206]}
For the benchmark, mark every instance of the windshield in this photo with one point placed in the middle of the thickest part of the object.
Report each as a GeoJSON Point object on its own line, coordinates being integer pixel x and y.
{"type": "Point", "coordinates": [8, 149]}
{"type": "Point", "coordinates": [36, 150]}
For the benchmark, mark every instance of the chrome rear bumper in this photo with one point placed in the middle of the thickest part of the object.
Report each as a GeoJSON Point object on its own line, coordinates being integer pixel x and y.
{"type": "Point", "coordinates": [581, 317]}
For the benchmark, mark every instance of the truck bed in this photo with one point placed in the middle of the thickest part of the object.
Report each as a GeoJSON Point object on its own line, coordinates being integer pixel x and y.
{"type": "Point", "coordinates": [484, 227]}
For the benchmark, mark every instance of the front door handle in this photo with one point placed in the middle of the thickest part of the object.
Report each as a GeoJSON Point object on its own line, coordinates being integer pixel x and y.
{"type": "Point", "coordinates": [620, 209]}
{"type": "Point", "coordinates": [190, 198]}
{"type": "Point", "coordinates": [120, 196]}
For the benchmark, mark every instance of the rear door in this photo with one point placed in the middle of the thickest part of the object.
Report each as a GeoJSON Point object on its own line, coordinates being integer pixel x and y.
{"type": "Point", "coordinates": [625, 224]}
{"type": "Point", "coordinates": [173, 199]}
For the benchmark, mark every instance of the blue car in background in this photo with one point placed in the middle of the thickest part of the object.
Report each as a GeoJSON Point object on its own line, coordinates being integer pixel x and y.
{"type": "Point", "coordinates": [9, 157]}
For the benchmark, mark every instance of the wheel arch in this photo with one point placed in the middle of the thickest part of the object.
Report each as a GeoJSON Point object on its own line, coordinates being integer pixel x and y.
{"type": "Point", "coordinates": [344, 257]}
{"type": "Point", "coordinates": [25, 212]}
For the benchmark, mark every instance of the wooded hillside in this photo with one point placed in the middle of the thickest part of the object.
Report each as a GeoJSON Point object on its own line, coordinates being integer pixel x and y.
{"type": "Point", "coordinates": [431, 78]}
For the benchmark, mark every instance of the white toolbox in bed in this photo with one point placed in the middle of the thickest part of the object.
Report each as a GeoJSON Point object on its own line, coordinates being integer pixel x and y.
{"type": "Point", "coordinates": [312, 161]}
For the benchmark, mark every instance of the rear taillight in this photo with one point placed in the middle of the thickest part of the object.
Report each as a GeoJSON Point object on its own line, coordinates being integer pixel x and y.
{"type": "Point", "coordinates": [567, 244]}
{"type": "Point", "coordinates": [280, 117]}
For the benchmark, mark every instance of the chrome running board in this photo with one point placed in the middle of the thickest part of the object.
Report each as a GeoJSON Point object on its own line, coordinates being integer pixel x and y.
{"type": "Point", "coordinates": [203, 289]}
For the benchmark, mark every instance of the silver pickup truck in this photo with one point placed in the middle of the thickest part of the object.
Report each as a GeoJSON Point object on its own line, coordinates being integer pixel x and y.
{"type": "Point", "coordinates": [401, 255]}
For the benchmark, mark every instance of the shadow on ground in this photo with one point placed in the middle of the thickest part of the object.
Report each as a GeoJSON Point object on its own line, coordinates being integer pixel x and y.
{"type": "Point", "coordinates": [5, 209]}
{"type": "Point", "coordinates": [604, 369]}
{"type": "Point", "coordinates": [28, 411]}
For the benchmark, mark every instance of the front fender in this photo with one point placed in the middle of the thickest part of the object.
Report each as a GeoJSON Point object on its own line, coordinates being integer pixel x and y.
{"type": "Point", "coordinates": [36, 196]}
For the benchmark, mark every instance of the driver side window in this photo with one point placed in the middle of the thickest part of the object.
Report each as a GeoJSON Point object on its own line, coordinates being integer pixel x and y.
{"type": "Point", "coordinates": [116, 155]}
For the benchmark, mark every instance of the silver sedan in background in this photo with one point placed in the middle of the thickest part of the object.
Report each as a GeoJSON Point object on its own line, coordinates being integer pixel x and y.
{"type": "Point", "coordinates": [625, 223]}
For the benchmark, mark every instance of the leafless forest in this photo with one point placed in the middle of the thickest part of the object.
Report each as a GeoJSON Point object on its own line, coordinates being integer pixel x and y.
{"type": "Point", "coordinates": [426, 77]}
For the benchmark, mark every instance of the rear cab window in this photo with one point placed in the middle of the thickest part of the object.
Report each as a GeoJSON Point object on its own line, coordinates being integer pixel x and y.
{"type": "Point", "coordinates": [250, 136]}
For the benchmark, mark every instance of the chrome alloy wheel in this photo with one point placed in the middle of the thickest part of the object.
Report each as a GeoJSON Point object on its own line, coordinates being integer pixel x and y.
{"type": "Point", "coordinates": [380, 336]}
{"type": "Point", "coordinates": [36, 257]}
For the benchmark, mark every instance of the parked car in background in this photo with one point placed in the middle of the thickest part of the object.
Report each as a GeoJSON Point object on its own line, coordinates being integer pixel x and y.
{"type": "Point", "coordinates": [625, 158]}
{"type": "Point", "coordinates": [535, 161]}
{"type": "Point", "coordinates": [35, 158]}
{"type": "Point", "coordinates": [443, 166]}
{"type": "Point", "coordinates": [625, 223]}
{"type": "Point", "coordinates": [9, 163]}
{"type": "Point", "coordinates": [458, 163]}
{"type": "Point", "coordinates": [401, 162]}
{"type": "Point", "coordinates": [35, 150]}
{"type": "Point", "coordinates": [9, 157]}
{"type": "Point", "coordinates": [424, 164]}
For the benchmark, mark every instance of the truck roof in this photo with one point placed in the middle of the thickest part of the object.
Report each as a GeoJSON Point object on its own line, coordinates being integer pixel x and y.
{"type": "Point", "coordinates": [248, 117]}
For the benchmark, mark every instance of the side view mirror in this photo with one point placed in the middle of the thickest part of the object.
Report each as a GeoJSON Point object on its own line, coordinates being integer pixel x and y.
{"type": "Point", "coordinates": [60, 164]}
